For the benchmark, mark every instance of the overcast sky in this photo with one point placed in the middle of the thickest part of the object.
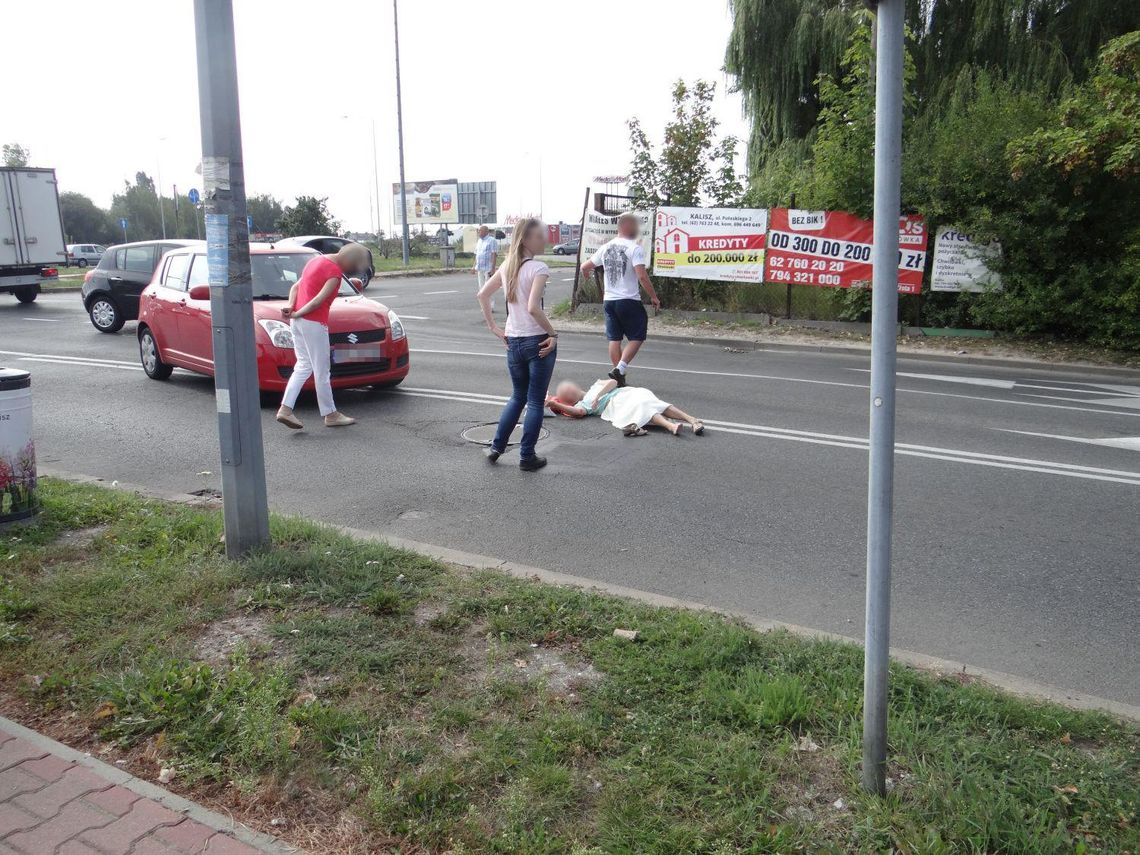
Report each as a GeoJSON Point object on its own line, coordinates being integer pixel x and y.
{"type": "Point", "coordinates": [99, 91]}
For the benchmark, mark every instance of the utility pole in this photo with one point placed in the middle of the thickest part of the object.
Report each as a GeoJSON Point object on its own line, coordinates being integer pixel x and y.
{"type": "Point", "coordinates": [884, 329]}
{"type": "Point", "coordinates": [244, 502]}
{"type": "Point", "coordinates": [158, 193]}
{"type": "Point", "coordinates": [400, 131]}
{"type": "Point", "coordinates": [174, 195]}
{"type": "Point", "coordinates": [376, 179]}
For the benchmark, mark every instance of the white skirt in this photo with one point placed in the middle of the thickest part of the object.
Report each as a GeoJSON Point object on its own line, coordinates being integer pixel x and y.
{"type": "Point", "coordinates": [633, 406]}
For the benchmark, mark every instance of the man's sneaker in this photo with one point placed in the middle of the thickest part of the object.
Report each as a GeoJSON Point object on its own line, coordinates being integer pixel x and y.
{"type": "Point", "coordinates": [338, 419]}
{"type": "Point", "coordinates": [618, 376]}
{"type": "Point", "coordinates": [532, 464]}
{"type": "Point", "coordinates": [493, 454]}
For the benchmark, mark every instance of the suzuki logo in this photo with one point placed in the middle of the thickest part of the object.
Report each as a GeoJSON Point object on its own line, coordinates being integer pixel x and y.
{"type": "Point", "coordinates": [352, 339]}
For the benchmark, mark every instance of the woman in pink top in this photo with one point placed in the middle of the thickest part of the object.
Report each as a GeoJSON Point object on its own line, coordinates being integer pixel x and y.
{"type": "Point", "coordinates": [530, 339]}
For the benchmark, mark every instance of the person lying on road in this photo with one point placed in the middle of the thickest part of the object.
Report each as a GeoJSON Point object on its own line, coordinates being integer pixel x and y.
{"type": "Point", "coordinates": [628, 408]}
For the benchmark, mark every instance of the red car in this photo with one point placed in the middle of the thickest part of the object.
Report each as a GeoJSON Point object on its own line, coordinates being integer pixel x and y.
{"type": "Point", "coordinates": [369, 346]}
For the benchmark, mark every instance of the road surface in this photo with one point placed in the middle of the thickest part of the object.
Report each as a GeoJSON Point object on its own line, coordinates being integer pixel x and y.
{"type": "Point", "coordinates": [1017, 492]}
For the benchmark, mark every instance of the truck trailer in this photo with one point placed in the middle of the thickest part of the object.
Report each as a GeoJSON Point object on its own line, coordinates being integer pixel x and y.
{"type": "Point", "coordinates": [32, 247]}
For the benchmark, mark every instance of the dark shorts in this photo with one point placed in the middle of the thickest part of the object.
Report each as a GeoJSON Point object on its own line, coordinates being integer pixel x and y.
{"type": "Point", "coordinates": [626, 319]}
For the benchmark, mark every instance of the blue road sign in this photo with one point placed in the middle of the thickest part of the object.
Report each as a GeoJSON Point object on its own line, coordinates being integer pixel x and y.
{"type": "Point", "coordinates": [194, 196]}
{"type": "Point", "coordinates": [249, 222]}
{"type": "Point", "coordinates": [123, 223]}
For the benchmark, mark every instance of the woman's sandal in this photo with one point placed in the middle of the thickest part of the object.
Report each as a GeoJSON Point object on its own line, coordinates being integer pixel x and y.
{"type": "Point", "coordinates": [674, 428]}
{"type": "Point", "coordinates": [698, 427]}
{"type": "Point", "coordinates": [634, 430]}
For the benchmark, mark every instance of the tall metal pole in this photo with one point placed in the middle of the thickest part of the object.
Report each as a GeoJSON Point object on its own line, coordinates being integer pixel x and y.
{"type": "Point", "coordinates": [376, 178]}
{"type": "Point", "coordinates": [244, 502]}
{"type": "Point", "coordinates": [158, 193]}
{"type": "Point", "coordinates": [400, 131]}
{"type": "Point", "coordinates": [884, 329]}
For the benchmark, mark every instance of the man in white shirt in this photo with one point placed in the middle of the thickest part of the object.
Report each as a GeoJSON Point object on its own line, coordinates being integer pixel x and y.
{"type": "Point", "coordinates": [486, 258]}
{"type": "Point", "coordinates": [623, 265]}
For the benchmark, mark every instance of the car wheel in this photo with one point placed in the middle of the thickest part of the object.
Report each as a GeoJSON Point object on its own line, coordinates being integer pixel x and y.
{"type": "Point", "coordinates": [105, 315]}
{"type": "Point", "coordinates": [82, 262]}
{"type": "Point", "coordinates": [366, 278]}
{"type": "Point", "coordinates": [152, 362]}
{"type": "Point", "coordinates": [26, 293]}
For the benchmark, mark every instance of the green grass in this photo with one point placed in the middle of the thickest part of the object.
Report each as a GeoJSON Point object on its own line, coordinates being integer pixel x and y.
{"type": "Point", "coordinates": [383, 684]}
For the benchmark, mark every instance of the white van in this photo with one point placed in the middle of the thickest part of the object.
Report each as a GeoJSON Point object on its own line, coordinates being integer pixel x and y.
{"type": "Point", "coordinates": [84, 254]}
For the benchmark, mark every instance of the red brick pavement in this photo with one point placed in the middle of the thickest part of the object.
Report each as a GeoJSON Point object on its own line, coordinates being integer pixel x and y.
{"type": "Point", "coordinates": [50, 803]}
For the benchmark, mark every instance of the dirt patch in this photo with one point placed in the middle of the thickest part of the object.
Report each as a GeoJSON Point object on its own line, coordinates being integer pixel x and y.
{"type": "Point", "coordinates": [221, 638]}
{"type": "Point", "coordinates": [428, 611]}
{"type": "Point", "coordinates": [80, 538]}
{"type": "Point", "coordinates": [558, 669]}
{"type": "Point", "coordinates": [814, 785]}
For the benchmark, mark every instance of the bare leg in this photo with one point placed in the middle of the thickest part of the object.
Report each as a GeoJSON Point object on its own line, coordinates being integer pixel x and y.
{"type": "Point", "coordinates": [615, 353]}
{"type": "Point", "coordinates": [662, 422]}
{"type": "Point", "coordinates": [677, 413]}
{"type": "Point", "coordinates": [628, 353]}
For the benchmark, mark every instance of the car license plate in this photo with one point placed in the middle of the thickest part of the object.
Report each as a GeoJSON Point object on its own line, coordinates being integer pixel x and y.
{"type": "Point", "coordinates": [344, 353]}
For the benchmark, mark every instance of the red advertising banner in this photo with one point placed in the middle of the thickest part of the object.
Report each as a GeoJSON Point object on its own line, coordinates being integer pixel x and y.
{"type": "Point", "coordinates": [832, 249]}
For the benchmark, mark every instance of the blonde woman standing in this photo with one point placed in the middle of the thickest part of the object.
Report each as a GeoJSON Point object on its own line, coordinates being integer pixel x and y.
{"type": "Point", "coordinates": [530, 339]}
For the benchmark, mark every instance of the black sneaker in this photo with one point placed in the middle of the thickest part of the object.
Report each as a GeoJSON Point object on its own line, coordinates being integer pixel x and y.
{"type": "Point", "coordinates": [618, 376]}
{"type": "Point", "coordinates": [532, 464]}
{"type": "Point", "coordinates": [492, 455]}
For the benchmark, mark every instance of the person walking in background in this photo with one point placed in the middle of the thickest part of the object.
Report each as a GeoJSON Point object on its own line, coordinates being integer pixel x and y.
{"type": "Point", "coordinates": [486, 259]}
{"type": "Point", "coordinates": [530, 339]}
{"type": "Point", "coordinates": [308, 312]}
{"type": "Point", "coordinates": [623, 267]}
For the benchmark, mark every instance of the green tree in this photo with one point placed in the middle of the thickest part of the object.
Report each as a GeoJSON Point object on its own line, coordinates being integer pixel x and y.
{"type": "Point", "coordinates": [139, 204]}
{"type": "Point", "coordinates": [692, 165]}
{"type": "Point", "coordinates": [15, 154]}
{"type": "Point", "coordinates": [309, 216]}
{"type": "Point", "coordinates": [84, 221]}
{"type": "Point", "coordinates": [266, 211]}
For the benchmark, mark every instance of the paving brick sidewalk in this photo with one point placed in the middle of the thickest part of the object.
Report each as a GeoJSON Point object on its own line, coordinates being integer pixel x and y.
{"type": "Point", "coordinates": [54, 799]}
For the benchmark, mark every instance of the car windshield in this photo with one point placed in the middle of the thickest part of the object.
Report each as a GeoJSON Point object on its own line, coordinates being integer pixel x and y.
{"type": "Point", "coordinates": [274, 273]}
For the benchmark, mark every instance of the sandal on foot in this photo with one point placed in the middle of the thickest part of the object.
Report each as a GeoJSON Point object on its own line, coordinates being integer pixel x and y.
{"type": "Point", "coordinates": [634, 430]}
{"type": "Point", "coordinates": [698, 427]}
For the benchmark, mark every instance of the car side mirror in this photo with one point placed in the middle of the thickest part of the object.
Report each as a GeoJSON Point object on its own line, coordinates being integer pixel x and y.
{"type": "Point", "coordinates": [200, 292]}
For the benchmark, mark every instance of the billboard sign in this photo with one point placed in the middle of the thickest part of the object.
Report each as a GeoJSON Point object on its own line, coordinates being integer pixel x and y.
{"type": "Point", "coordinates": [833, 249]}
{"type": "Point", "coordinates": [427, 202]}
{"type": "Point", "coordinates": [600, 229]}
{"type": "Point", "coordinates": [962, 264]}
{"type": "Point", "coordinates": [725, 244]}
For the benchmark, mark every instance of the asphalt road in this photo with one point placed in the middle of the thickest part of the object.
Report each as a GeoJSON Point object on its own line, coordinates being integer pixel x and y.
{"type": "Point", "coordinates": [1017, 490]}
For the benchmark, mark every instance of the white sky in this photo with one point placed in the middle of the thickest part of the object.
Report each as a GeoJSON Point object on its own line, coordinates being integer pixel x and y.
{"type": "Point", "coordinates": [99, 91]}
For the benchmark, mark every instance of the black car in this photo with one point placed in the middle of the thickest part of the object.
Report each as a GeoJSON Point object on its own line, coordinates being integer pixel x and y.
{"type": "Point", "coordinates": [111, 290]}
{"type": "Point", "coordinates": [328, 244]}
{"type": "Point", "coordinates": [568, 248]}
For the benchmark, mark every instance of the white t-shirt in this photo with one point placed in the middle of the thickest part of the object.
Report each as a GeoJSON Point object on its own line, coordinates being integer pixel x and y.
{"type": "Point", "coordinates": [519, 320]}
{"type": "Point", "coordinates": [618, 258]}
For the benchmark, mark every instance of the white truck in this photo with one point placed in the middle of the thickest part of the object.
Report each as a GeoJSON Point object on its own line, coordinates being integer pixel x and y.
{"type": "Point", "coordinates": [31, 230]}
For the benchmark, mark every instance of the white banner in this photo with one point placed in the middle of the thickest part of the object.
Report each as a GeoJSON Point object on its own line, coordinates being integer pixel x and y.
{"type": "Point", "coordinates": [725, 244]}
{"type": "Point", "coordinates": [427, 202]}
{"type": "Point", "coordinates": [960, 264]}
{"type": "Point", "coordinates": [600, 229]}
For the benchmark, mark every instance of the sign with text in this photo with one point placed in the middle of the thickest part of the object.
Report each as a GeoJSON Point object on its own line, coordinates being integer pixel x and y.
{"type": "Point", "coordinates": [599, 229]}
{"type": "Point", "coordinates": [725, 244]}
{"type": "Point", "coordinates": [427, 202]}
{"type": "Point", "coordinates": [832, 249]}
{"type": "Point", "coordinates": [962, 264]}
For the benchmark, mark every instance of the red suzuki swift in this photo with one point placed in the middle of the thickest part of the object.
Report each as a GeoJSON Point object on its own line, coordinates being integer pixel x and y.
{"type": "Point", "coordinates": [369, 346]}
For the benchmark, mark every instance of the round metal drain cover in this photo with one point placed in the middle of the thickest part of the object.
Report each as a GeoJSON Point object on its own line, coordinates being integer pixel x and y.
{"type": "Point", "coordinates": [483, 434]}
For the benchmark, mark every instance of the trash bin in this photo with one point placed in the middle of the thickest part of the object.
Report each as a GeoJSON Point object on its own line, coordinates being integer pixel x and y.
{"type": "Point", "coordinates": [17, 448]}
{"type": "Point", "coordinates": [447, 256]}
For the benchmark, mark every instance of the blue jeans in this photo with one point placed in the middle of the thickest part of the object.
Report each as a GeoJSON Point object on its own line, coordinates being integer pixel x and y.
{"type": "Point", "coordinates": [530, 375]}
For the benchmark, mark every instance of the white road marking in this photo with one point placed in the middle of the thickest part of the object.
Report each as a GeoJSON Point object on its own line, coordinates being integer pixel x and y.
{"type": "Point", "coordinates": [382, 296]}
{"type": "Point", "coordinates": [44, 320]}
{"type": "Point", "coordinates": [434, 293]}
{"type": "Point", "coordinates": [1123, 401]}
{"type": "Point", "coordinates": [111, 362]}
{"type": "Point", "coordinates": [984, 399]}
{"type": "Point", "coordinates": [973, 381]}
{"type": "Point", "coordinates": [404, 317]}
{"type": "Point", "coordinates": [951, 455]}
{"type": "Point", "coordinates": [1021, 385]}
{"type": "Point", "coordinates": [79, 362]}
{"type": "Point", "coordinates": [1129, 443]}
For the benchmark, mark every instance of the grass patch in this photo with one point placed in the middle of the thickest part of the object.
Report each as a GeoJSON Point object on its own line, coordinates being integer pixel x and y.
{"type": "Point", "coordinates": [471, 712]}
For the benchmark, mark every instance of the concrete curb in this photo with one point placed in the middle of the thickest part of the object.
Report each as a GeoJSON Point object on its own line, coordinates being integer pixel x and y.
{"type": "Point", "coordinates": [1011, 683]}
{"type": "Point", "coordinates": [860, 350]}
{"type": "Point", "coordinates": [147, 790]}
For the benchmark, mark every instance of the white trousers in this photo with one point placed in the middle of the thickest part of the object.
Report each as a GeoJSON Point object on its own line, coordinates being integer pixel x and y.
{"type": "Point", "coordinates": [311, 344]}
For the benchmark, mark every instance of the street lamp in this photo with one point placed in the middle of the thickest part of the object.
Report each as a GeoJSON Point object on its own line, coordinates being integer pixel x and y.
{"type": "Point", "coordinates": [400, 131]}
{"type": "Point", "coordinates": [158, 188]}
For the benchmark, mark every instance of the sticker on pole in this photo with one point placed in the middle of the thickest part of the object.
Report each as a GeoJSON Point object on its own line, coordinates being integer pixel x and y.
{"type": "Point", "coordinates": [218, 250]}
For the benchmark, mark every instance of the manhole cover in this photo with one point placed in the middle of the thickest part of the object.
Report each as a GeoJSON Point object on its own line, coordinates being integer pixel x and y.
{"type": "Point", "coordinates": [483, 434]}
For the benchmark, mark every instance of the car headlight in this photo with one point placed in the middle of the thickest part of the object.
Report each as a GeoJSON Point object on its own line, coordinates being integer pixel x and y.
{"type": "Point", "coordinates": [397, 326]}
{"type": "Point", "coordinates": [278, 331]}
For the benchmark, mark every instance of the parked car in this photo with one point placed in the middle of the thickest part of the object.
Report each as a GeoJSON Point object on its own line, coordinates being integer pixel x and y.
{"type": "Point", "coordinates": [568, 248]}
{"type": "Point", "coordinates": [327, 244]}
{"type": "Point", "coordinates": [84, 254]}
{"type": "Point", "coordinates": [111, 290]}
{"type": "Point", "coordinates": [369, 345]}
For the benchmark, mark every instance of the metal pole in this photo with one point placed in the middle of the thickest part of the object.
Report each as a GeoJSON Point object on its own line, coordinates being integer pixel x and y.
{"type": "Point", "coordinates": [376, 178]}
{"type": "Point", "coordinates": [174, 196]}
{"type": "Point", "coordinates": [400, 131]}
{"type": "Point", "coordinates": [884, 329]}
{"type": "Point", "coordinates": [244, 502]}
{"type": "Point", "coordinates": [158, 193]}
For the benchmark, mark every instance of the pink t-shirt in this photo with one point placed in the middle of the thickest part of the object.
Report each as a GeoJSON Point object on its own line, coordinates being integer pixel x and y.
{"type": "Point", "coordinates": [313, 278]}
{"type": "Point", "coordinates": [519, 320]}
